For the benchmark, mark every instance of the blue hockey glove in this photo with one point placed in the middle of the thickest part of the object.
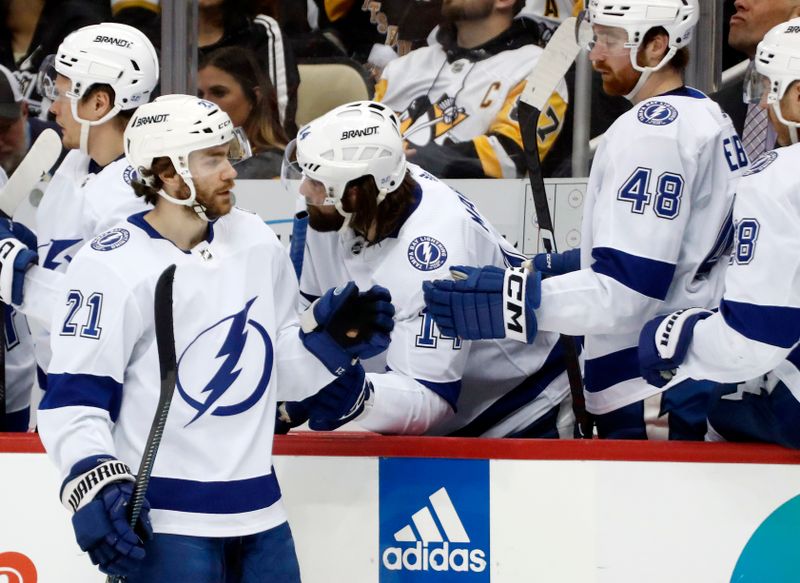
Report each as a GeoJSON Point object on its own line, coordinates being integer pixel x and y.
{"type": "Point", "coordinates": [557, 263]}
{"type": "Point", "coordinates": [98, 490]}
{"type": "Point", "coordinates": [341, 401]}
{"type": "Point", "coordinates": [15, 259]}
{"type": "Point", "coordinates": [663, 344]}
{"type": "Point", "coordinates": [485, 302]}
{"type": "Point", "coordinates": [345, 325]}
{"type": "Point", "coordinates": [291, 414]}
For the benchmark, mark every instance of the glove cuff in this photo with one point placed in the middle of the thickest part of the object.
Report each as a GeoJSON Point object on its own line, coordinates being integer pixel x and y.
{"type": "Point", "coordinates": [515, 282]}
{"type": "Point", "coordinates": [78, 490]}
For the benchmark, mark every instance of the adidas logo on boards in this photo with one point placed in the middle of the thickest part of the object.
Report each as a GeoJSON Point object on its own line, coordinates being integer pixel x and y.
{"type": "Point", "coordinates": [434, 550]}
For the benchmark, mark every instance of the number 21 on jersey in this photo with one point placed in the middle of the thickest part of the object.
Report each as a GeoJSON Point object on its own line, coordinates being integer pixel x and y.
{"type": "Point", "coordinates": [91, 328]}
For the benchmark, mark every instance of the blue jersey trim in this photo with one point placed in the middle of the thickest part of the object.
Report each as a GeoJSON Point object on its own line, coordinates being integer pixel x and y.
{"type": "Point", "coordinates": [310, 297]}
{"type": "Point", "coordinates": [41, 377]}
{"type": "Point", "coordinates": [447, 391]}
{"type": "Point", "coordinates": [516, 398]}
{"type": "Point", "coordinates": [685, 91]}
{"type": "Point", "coordinates": [722, 245]}
{"type": "Point", "coordinates": [229, 497]}
{"type": "Point", "coordinates": [794, 358]}
{"type": "Point", "coordinates": [417, 194]}
{"type": "Point", "coordinates": [138, 220]}
{"type": "Point", "coordinates": [774, 325]}
{"type": "Point", "coordinates": [83, 390]}
{"type": "Point", "coordinates": [606, 371]}
{"type": "Point", "coordinates": [649, 277]}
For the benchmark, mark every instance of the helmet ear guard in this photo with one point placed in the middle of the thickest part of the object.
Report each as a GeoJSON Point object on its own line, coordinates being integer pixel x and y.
{"type": "Point", "coordinates": [175, 126]}
{"type": "Point", "coordinates": [351, 141]}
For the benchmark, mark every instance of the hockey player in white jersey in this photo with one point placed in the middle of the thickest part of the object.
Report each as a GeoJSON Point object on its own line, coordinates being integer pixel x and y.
{"type": "Point", "coordinates": [99, 75]}
{"type": "Point", "coordinates": [378, 220]}
{"type": "Point", "coordinates": [214, 503]}
{"type": "Point", "coordinates": [755, 334]}
{"type": "Point", "coordinates": [655, 222]}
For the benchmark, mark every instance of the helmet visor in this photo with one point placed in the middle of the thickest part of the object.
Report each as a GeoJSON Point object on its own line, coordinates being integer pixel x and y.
{"type": "Point", "coordinates": [297, 184]}
{"type": "Point", "coordinates": [46, 79]}
{"type": "Point", "coordinates": [212, 161]}
{"type": "Point", "coordinates": [606, 40]}
{"type": "Point", "coordinates": [756, 86]}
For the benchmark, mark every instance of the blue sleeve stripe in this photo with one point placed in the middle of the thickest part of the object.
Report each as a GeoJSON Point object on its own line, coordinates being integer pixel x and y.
{"type": "Point", "coordinates": [41, 378]}
{"type": "Point", "coordinates": [447, 391]}
{"type": "Point", "coordinates": [83, 390]}
{"type": "Point", "coordinates": [518, 397]}
{"type": "Point", "coordinates": [230, 497]}
{"type": "Point", "coordinates": [794, 358]}
{"type": "Point", "coordinates": [775, 325]}
{"type": "Point", "coordinates": [311, 298]}
{"type": "Point", "coordinates": [649, 277]}
{"type": "Point", "coordinates": [611, 369]}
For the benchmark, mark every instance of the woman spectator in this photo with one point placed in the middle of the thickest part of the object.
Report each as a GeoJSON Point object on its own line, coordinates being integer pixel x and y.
{"type": "Point", "coordinates": [232, 78]}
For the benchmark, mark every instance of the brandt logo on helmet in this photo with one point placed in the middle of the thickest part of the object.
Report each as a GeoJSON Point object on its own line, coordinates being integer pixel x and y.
{"type": "Point", "coordinates": [792, 30]}
{"type": "Point", "coordinates": [657, 113]}
{"type": "Point", "coordinates": [148, 119]}
{"type": "Point", "coordinates": [372, 130]}
{"type": "Point", "coordinates": [426, 253]}
{"type": "Point", "coordinates": [110, 40]}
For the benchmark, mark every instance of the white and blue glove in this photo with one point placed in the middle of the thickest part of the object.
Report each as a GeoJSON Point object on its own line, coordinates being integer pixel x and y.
{"type": "Point", "coordinates": [98, 490]}
{"type": "Point", "coordinates": [16, 242]}
{"type": "Point", "coordinates": [339, 402]}
{"type": "Point", "coordinates": [664, 342]}
{"type": "Point", "coordinates": [557, 263]}
{"type": "Point", "coordinates": [344, 326]}
{"type": "Point", "coordinates": [485, 302]}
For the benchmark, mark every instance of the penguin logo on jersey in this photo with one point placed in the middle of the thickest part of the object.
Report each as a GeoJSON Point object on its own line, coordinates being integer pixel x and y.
{"type": "Point", "coordinates": [657, 113]}
{"type": "Point", "coordinates": [427, 122]}
{"type": "Point", "coordinates": [762, 163]}
{"type": "Point", "coordinates": [111, 240]}
{"type": "Point", "coordinates": [426, 253]}
{"type": "Point", "coordinates": [227, 368]}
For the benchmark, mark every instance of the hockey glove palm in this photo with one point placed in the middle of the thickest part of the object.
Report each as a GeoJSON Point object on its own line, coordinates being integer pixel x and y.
{"type": "Point", "coordinates": [485, 302]}
{"type": "Point", "coordinates": [344, 325]}
{"type": "Point", "coordinates": [99, 490]}
{"type": "Point", "coordinates": [557, 263]}
{"type": "Point", "coordinates": [664, 342]}
{"type": "Point", "coordinates": [15, 259]}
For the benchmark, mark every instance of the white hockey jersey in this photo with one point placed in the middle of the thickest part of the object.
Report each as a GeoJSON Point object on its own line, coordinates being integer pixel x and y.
{"type": "Point", "coordinates": [238, 349]}
{"type": "Point", "coordinates": [497, 388]}
{"type": "Point", "coordinates": [458, 107]}
{"type": "Point", "coordinates": [550, 13]}
{"type": "Point", "coordinates": [757, 328]}
{"type": "Point", "coordinates": [656, 220]}
{"type": "Point", "coordinates": [81, 201]}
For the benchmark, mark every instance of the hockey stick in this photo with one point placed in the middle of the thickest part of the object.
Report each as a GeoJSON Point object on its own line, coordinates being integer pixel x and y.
{"type": "Point", "coordinates": [167, 362]}
{"type": "Point", "coordinates": [553, 64]}
{"type": "Point", "coordinates": [39, 159]}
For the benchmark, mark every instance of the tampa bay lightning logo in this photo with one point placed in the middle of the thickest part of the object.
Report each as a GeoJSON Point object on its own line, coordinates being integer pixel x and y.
{"type": "Point", "coordinates": [762, 162]}
{"type": "Point", "coordinates": [228, 366]}
{"type": "Point", "coordinates": [111, 240]}
{"type": "Point", "coordinates": [129, 175]}
{"type": "Point", "coordinates": [304, 132]}
{"type": "Point", "coordinates": [426, 253]}
{"type": "Point", "coordinates": [657, 113]}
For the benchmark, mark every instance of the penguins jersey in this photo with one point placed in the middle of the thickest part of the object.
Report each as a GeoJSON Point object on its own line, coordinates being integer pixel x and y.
{"type": "Point", "coordinates": [656, 221]}
{"type": "Point", "coordinates": [493, 388]}
{"type": "Point", "coordinates": [238, 349]}
{"type": "Point", "coordinates": [459, 110]}
{"type": "Point", "coordinates": [757, 328]}
{"type": "Point", "coordinates": [80, 202]}
{"type": "Point", "coordinates": [550, 13]}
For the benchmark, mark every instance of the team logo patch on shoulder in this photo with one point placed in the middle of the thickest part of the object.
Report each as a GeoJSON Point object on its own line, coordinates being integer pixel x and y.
{"type": "Point", "coordinates": [426, 253]}
{"type": "Point", "coordinates": [129, 175]}
{"type": "Point", "coordinates": [657, 113]}
{"type": "Point", "coordinates": [111, 240]}
{"type": "Point", "coordinates": [761, 163]}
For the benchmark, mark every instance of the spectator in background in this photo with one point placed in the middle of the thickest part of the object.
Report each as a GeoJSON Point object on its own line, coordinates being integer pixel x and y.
{"type": "Point", "coordinates": [548, 14]}
{"type": "Point", "coordinates": [33, 29]}
{"type": "Point", "coordinates": [231, 78]}
{"type": "Point", "coordinates": [225, 23]}
{"type": "Point", "coordinates": [748, 25]}
{"type": "Point", "coordinates": [457, 99]}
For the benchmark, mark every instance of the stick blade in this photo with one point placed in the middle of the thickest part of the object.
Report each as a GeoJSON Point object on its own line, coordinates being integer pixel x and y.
{"type": "Point", "coordinates": [39, 160]}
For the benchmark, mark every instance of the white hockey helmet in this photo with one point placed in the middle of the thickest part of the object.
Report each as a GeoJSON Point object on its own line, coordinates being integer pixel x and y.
{"type": "Point", "coordinates": [175, 126]}
{"type": "Point", "coordinates": [776, 67]}
{"type": "Point", "coordinates": [109, 53]}
{"type": "Point", "coordinates": [353, 140]}
{"type": "Point", "coordinates": [636, 18]}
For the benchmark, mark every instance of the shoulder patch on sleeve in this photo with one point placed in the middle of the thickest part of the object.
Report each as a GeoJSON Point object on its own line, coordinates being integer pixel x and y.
{"type": "Point", "coordinates": [129, 175]}
{"type": "Point", "coordinates": [762, 162]}
{"type": "Point", "coordinates": [657, 113]}
{"type": "Point", "coordinates": [111, 239]}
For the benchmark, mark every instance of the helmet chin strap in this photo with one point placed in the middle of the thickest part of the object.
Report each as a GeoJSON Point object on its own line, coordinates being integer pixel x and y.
{"type": "Point", "coordinates": [646, 71]}
{"type": "Point", "coordinates": [86, 124]}
{"type": "Point", "coordinates": [346, 224]}
{"type": "Point", "coordinates": [792, 126]}
{"type": "Point", "coordinates": [196, 206]}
